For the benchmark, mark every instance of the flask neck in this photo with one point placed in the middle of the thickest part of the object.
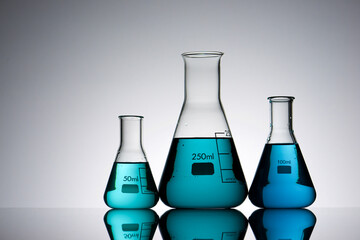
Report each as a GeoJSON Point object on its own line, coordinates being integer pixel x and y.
{"type": "Point", "coordinates": [281, 128]}
{"type": "Point", "coordinates": [130, 139]}
{"type": "Point", "coordinates": [202, 77]}
{"type": "Point", "coordinates": [202, 115]}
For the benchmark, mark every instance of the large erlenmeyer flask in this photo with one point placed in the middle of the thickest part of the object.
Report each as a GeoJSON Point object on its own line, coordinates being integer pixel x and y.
{"type": "Point", "coordinates": [202, 169]}
{"type": "Point", "coordinates": [282, 179]}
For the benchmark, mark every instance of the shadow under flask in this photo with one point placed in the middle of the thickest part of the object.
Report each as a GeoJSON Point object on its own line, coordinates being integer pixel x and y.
{"type": "Point", "coordinates": [202, 168]}
{"type": "Point", "coordinates": [282, 179]}
{"type": "Point", "coordinates": [131, 184]}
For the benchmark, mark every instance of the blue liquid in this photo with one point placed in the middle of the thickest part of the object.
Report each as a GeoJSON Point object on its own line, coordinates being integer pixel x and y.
{"type": "Point", "coordinates": [282, 179]}
{"type": "Point", "coordinates": [268, 224]}
{"type": "Point", "coordinates": [203, 224]}
{"type": "Point", "coordinates": [131, 224]}
{"type": "Point", "coordinates": [202, 173]}
{"type": "Point", "coordinates": [131, 185]}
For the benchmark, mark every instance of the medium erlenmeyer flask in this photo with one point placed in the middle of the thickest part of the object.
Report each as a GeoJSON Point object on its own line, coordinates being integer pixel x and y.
{"type": "Point", "coordinates": [282, 179]}
{"type": "Point", "coordinates": [202, 169]}
{"type": "Point", "coordinates": [131, 184]}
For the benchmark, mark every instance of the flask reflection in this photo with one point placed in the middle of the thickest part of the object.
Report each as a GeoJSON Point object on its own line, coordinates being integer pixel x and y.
{"type": "Point", "coordinates": [131, 224]}
{"type": "Point", "coordinates": [289, 224]}
{"type": "Point", "coordinates": [203, 224]}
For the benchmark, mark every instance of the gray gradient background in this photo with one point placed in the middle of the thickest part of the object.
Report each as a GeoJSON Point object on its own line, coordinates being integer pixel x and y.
{"type": "Point", "coordinates": [69, 68]}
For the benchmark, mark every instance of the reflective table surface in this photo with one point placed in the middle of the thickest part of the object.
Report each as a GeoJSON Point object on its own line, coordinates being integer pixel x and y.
{"type": "Point", "coordinates": [68, 223]}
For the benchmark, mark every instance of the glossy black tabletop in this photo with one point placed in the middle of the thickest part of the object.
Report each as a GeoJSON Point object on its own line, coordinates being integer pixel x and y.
{"type": "Point", "coordinates": [98, 223]}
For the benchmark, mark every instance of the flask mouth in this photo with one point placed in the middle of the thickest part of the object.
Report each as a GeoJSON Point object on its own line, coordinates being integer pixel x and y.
{"type": "Point", "coordinates": [202, 54]}
{"type": "Point", "coordinates": [130, 116]}
{"type": "Point", "coordinates": [281, 98]}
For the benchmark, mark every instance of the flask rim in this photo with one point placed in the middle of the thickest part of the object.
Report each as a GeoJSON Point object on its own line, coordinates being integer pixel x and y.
{"type": "Point", "coordinates": [281, 98]}
{"type": "Point", "coordinates": [131, 116]}
{"type": "Point", "coordinates": [202, 54]}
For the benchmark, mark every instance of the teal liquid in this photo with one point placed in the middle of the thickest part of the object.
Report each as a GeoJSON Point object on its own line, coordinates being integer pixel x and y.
{"type": "Point", "coordinates": [202, 173]}
{"type": "Point", "coordinates": [203, 224]}
{"type": "Point", "coordinates": [282, 179]}
{"type": "Point", "coordinates": [131, 185]}
{"type": "Point", "coordinates": [131, 224]}
{"type": "Point", "coordinates": [275, 224]}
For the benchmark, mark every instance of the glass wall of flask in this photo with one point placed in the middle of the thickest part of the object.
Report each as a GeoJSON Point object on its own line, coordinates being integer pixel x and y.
{"type": "Point", "coordinates": [202, 168]}
{"type": "Point", "coordinates": [282, 179]}
{"type": "Point", "coordinates": [131, 184]}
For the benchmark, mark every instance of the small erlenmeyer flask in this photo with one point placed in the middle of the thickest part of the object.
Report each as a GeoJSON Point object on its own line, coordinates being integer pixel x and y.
{"type": "Point", "coordinates": [131, 184]}
{"type": "Point", "coordinates": [282, 179]}
{"type": "Point", "coordinates": [202, 168]}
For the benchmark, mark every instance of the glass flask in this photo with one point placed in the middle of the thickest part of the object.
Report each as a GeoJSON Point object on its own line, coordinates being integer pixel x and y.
{"type": "Point", "coordinates": [228, 224]}
{"type": "Point", "coordinates": [131, 184]}
{"type": "Point", "coordinates": [131, 223]}
{"type": "Point", "coordinates": [275, 224]}
{"type": "Point", "coordinates": [282, 179]}
{"type": "Point", "coordinates": [202, 168]}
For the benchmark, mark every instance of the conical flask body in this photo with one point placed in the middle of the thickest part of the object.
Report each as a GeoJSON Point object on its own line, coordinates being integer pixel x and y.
{"type": "Point", "coordinates": [282, 179]}
{"type": "Point", "coordinates": [131, 184]}
{"type": "Point", "coordinates": [202, 168]}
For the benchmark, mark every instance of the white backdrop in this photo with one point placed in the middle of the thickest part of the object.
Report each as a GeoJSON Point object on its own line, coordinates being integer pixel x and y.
{"type": "Point", "coordinates": [69, 68]}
